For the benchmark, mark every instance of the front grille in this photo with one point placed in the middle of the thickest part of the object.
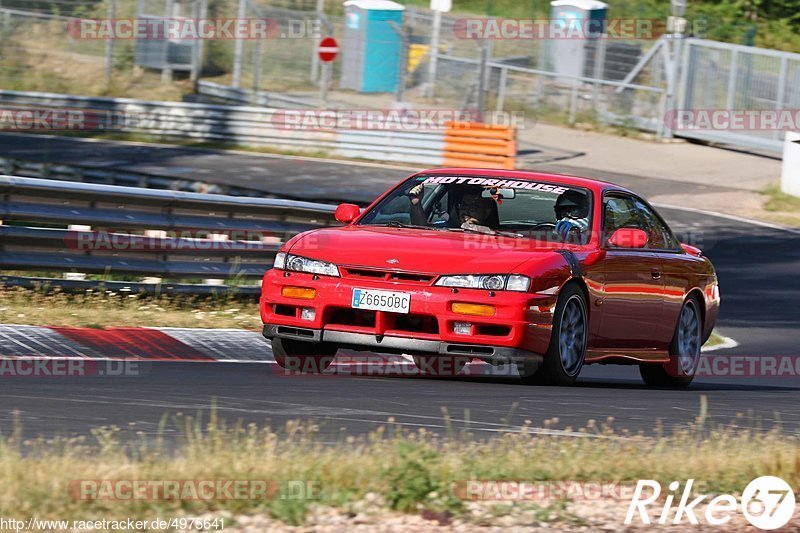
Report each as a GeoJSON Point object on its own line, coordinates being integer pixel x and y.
{"type": "Point", "coordinates": [295, 332]}
{"type": "Point", "coordinates": [411, 323]}
{"type": "Point", "coordinates": [388, 275]}
{"type": "Point", "coordinates": [416, 324]}
{"type": "Point", "coordinates": [352, 317]}
{"type": "Point", "coordinates": [468, 349]}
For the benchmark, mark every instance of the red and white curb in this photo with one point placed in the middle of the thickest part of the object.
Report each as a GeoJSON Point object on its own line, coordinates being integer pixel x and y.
{"type": "Point", "coordinates": [149, 344]}
{"type": "Point", "coordinates": [143, 344]}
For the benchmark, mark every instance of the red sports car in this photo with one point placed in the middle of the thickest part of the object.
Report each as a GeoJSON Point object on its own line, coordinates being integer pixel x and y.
{"type": "Point", "coordinates": [543, 271]}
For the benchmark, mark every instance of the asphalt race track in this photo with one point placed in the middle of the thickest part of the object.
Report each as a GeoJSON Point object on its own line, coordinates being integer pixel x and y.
{"type": "Point", "coordinates": [757, 266]}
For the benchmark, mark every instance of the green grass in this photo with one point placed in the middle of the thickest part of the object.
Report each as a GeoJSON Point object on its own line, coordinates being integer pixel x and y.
{"type": "Point", "coordinates": [778, 200]}
{"type": "Point", "coordinates": [105, 309]}
{"type": "Point", "coordinates": [714, 340]}
{"type": "Point", "coordinates": [404, 471]}
{"type": "Point", "coordinates": [781, 207]}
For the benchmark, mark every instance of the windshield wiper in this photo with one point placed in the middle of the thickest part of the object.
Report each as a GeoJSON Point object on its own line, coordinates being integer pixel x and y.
{"type": "Point", "coordinates": [398, 224]}
{"type": "Point", "coordinates": [490, 232]}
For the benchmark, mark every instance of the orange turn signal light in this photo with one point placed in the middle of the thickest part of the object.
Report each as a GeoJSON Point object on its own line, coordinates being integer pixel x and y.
{"type": "Point", "coordinates": [473, 309]}
{"type": "Point", "coordinates": [299, 292]}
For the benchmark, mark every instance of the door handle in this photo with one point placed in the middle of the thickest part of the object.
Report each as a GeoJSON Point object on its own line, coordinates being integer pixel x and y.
{"type": "Point", "coordinates": [656, 273]}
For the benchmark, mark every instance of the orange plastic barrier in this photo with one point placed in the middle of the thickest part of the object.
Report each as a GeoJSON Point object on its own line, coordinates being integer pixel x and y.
{"type": "Point", "coordinates": [481, 145]}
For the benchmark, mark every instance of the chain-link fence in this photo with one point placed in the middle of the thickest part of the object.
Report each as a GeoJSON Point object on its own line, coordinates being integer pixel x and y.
{"type": "Point", "coordinates": [720, 76]}
{"type": "Point", "coordinates": [627, 82]}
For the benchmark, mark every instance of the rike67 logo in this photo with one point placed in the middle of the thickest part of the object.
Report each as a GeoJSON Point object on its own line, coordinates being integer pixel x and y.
{"type": "Point", "coordinates": [768, 503]}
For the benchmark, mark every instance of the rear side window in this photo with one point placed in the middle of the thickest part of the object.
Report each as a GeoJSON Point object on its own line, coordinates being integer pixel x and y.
{"type": "Point", "coordinates": [661, 238]}
{"type": "Point", "coordinates": [620, 212]}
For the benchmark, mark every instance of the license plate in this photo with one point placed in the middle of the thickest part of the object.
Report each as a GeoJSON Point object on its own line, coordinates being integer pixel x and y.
{"type": "Point", "coordinates": [394, 302]}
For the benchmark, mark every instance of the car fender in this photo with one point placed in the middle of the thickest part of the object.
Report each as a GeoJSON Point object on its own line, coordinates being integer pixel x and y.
{"type": "Point", "coordinates": [287, 246]}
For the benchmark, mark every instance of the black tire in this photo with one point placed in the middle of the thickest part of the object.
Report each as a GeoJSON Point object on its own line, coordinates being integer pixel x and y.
{"type": "Point", "coordinates": [437, 365]}
{"type": "Point", "coordinates": [565, 356]}
{"type": "Point", "coordinates": [684, 353]}
{"type": "Point", "coordinates": [302, 356]}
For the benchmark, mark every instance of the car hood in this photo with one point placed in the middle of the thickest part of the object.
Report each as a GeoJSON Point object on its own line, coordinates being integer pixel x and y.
{"type": "Point", "coordinates": [418, 250]}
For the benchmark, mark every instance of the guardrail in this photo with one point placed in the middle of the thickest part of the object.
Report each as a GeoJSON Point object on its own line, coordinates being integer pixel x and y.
{"type": "Point", "coordinates": [110, 176]}
{"type": "Point", "coordinates": [262, 126]}
{"type": "Point", "coordinates": [54, 226]}
{"type": "Point", "coordinates": [257, 98]}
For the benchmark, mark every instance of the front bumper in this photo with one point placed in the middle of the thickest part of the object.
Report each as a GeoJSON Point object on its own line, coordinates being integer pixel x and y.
{"type": "Point", "coordinates": [495, 355]}
{"type": "Point", "coordinates": [519, 329]}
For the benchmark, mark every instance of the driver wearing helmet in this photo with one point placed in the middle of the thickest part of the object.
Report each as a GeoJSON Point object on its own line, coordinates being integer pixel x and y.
{"type": "Point", "coordinates": [572, 213]}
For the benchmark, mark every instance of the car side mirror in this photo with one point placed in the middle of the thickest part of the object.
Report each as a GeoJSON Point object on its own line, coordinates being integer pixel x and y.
{"type": "Point", "coordinates": [692, 250]}
{"type": "Point", "coordinates": [347, 213]}
{"type": "Point", "coordinates": [629, 238]}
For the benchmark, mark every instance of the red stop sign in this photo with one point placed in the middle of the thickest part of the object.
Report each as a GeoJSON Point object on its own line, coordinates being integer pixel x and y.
{"type": "Point", "coordinates": [328, 48]}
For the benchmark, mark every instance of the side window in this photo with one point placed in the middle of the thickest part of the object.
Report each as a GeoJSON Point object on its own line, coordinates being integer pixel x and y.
{"type": "Point", "coordinates": [661, 237]}
{"type": "Point", "coordinates": [620, 212]}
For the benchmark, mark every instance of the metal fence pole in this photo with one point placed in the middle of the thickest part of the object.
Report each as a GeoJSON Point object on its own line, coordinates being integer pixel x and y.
{"type": "Point", "coordinates": [599, 68]}
{"type": "Point", "coordinates": [201, 8]}
{"type": "Point", "coordinates": [166, 72]}
{"type": "Point", "coordinates": [434, 52]}
{"type": "Point", "coordinates": [112, 13]}
{"type": "Point", "coordinates": [257, 69]}
{"type": "Point", "coordinates": [197, 55]}
{"type": "Point", "coordinates": [573, 104]}
{"type": "Point", "coordinates": [781, 92]}
{"type": "Point", "coordinates": [482, 78]}
{"type": "Point", "coordinates": [317, 38]}
{"type": "Point", "coordinates": [323, 90]}
{"type": "Point", "coordinates": [501, 90]}
{"type": "Point", "coordinates": [239, 50]}
{"type": "Point", "coordinates": [733, 70]}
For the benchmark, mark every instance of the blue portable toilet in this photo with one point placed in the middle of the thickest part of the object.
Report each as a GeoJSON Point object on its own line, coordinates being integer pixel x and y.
{"type": "Point", "coordinates": [573, 56]}
{"type": "Point", "coordinates": [372, 48]}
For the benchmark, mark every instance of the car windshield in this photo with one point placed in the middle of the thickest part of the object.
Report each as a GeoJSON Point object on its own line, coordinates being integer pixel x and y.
{"type": "Point", "coordinates": [516, 208]}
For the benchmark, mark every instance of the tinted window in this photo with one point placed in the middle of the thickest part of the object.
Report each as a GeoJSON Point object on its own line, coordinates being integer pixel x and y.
{"type": "Point", "coordinates": [620, 212]}
{"type": "Point", "coordinates": [661, 237]}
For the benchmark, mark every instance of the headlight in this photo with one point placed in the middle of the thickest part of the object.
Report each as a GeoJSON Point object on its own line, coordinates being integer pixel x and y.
{"type": "Point", "coordinates": [286, 261]}
{"type": "Point", "coordinates": [492, 282]}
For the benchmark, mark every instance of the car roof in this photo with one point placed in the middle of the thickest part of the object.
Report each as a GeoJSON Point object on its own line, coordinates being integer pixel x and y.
{"type": "Point", "coordinates": [561, 179]}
